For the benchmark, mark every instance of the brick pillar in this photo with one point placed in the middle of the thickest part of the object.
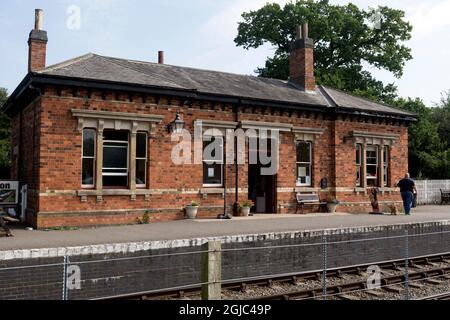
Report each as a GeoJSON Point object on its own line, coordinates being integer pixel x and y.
{"type": "Point", "coordinates": [133, 157]}
{"type": "Point", "coordinates": [99, 164]}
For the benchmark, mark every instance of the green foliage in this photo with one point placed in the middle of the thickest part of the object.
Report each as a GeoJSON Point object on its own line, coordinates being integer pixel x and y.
{"type": "Point", "coordinates": [429, 152]}
{"type": "Point", "coordinates": [145, 218]}
{"type": "Point", "coordinates": [345, 41]}
{"type": "Point", "coordinates": [5, 137]}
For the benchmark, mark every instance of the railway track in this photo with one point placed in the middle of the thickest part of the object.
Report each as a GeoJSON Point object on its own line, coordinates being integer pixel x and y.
{"type": "Point", "coordinates": [443, 296]}
{"type": "Point", "coordinates": [388, 283]}
{"type": "Point", "coordinates": [393, 283]}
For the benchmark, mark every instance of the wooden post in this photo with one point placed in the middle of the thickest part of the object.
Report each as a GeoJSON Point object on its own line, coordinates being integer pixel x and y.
{"type": "Point", "coordinates": [211, 271]}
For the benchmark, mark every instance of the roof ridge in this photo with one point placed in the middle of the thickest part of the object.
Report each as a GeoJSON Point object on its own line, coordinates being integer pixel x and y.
{"type": "Point", "coordinates": [67, 62]}
{"type": "Point", "coordinates": [365, 99]}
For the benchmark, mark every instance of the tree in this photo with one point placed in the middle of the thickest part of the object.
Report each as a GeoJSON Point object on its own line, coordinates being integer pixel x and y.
{"type": "Point", "coordinates": [441, 116]}
{"type": "Point", "coordinates": [428, 153]}
{"type": "Point", "coordinates": [344, 42]}
{"type": "Point", "coordinates": [5, 137]}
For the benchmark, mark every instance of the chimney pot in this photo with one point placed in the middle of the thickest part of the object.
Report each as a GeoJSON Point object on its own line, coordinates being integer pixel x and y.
{"type": "Point", "coordinates": [299, 33]}
{"type": "Point", "coordinates": [305, 30]}
{"type": "Point", "coordinates": [161, 57]}
{"type": "Point", "coordinates": [39, 19]}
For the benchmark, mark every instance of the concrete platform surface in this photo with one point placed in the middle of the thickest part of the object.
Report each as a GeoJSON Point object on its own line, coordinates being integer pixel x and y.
{"type": "Point", "coordinates": [188, 229]}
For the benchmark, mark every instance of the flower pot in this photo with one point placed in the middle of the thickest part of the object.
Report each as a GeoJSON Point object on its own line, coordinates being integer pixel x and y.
{"type": "Point", "coordinates": [191, 212]}
{"type": "Point", "coordinates": [332, 207]}
{"type": "Point", "coordinates": [245, 211]}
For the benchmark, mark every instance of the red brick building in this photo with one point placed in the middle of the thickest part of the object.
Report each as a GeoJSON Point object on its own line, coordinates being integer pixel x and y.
{"type": "Point", "coordinates": [91, 139]}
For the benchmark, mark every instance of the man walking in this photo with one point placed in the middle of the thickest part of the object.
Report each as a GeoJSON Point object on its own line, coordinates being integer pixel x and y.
{"type": "Point", "coordinates": [407, 188]}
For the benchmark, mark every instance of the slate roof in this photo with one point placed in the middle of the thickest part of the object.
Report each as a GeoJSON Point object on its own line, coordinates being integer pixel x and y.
{"type": "Point", "coordinates": [101, 68]}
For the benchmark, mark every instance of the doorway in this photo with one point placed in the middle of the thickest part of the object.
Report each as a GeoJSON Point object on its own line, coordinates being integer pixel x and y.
{"type": "Point", "coordinates": [261, 188]}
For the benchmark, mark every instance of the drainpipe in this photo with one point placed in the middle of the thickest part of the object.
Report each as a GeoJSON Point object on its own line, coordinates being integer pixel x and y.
{"type": "Point", "coordinates": [238, 118]}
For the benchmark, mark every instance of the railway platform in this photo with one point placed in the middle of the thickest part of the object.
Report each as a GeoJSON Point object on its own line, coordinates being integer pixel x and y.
{"type": "Point", "coordinates": [127, 260]}
{"type": "Point", "coordinates": [206, 228]}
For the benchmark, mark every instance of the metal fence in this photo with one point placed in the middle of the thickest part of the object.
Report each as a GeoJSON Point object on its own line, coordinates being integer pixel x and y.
{"type": "Point", "coordinates": [429, 191]}
{"type": "Point", "coordinates": [97, 277]}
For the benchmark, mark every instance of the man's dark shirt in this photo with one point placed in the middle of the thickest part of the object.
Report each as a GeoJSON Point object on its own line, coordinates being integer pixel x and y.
{"type": "Point", "coordinates": [406, 185]}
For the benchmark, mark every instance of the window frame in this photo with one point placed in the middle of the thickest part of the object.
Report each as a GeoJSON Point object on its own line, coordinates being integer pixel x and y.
{"type": "Point", "coordinates": [205, 162]}
{"type": "Point", "coordinates": [127, 169]}
{"type": "Point", "coordinates": [386, 156]}
{"type": "Point", "coordinates": [299, 163]}
{"type": "Point", "coordinates": [359, 167]}
{"type": "Point", "coordinates": [142, 186]}
{"type": "Point", "coordinates": [94, 158]}
{"type": "Point", "coordinates": [376, 178]}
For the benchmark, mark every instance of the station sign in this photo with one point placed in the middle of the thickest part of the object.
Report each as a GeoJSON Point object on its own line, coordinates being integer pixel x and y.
{"type": "Point", "coordinates": [9, 192]}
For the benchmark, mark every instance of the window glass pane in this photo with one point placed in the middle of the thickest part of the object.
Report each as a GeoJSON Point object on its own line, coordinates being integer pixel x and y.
{"type": "Point", "coordinates": [371, 171]}
{"type": "Point", "coordinates": [303, 174]}
{"type": "Point", "coordinates": [115, 181]}
{"type": "Point", "coordinates": [358, 175]}
{"type": "Point", "coordinates": [212, 174]}
{"type": "Point", "coordinates": [358, 154]}
{"type": "Point", "coordinates": [141, 145]}
{"type": "Point", "coordinates": [89, 142]}
{"type": "Point", "coordinates": [115, 135]}
{"type": "Point", "coordinates": [213, 150]}
{"type": "Point", "coordinates": [304, 152]}
{"type": "Point", "coordinates": [140, 172]}
{"type": "Point", "coordinates": [88, 172]}
{"type": "Point", "coordinates": [115, 157]}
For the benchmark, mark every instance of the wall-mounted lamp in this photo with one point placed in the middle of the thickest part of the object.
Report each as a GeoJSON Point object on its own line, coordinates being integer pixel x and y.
{"type": "Point", "coordinates": [177, 125]}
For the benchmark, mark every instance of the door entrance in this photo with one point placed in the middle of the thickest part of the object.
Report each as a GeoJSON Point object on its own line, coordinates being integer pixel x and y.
{"type": "Point", "coordinates": [261, 188]}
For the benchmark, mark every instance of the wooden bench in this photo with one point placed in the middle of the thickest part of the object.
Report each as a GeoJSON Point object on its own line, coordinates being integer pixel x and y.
{"type": "Point", "coordinates": [304, 199]}
{"type": "Point", "coordinates": [445, 196]}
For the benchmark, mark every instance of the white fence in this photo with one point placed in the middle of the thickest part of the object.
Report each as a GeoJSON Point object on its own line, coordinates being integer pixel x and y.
{"type": "Point", "coordinates": [429, 191]}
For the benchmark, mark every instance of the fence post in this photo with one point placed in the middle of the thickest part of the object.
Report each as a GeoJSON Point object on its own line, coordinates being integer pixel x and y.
{"type": "Point", "coordinates": [212, 271]}
{"type": "Point", "coordinates": [324, 265]}
{"type": "Point", "coordinates": [64, 290]}
{"type": "Point", "coordinates": [407, 265]}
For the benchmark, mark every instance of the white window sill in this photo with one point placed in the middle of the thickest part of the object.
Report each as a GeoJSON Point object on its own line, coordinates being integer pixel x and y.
{"type": "Point", "coordinates": [212, 190]}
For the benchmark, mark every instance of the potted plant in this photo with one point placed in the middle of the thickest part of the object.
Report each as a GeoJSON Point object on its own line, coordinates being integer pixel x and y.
{"type": "Point", "coordinates": [246, 207]}
{"type": "Point", "coordinates": [332, 204]}
{"type": "Point", "coordinates": [192, 210]}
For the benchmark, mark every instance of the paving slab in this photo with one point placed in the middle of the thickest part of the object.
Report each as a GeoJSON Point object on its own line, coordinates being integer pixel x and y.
{"type": "Point", "coordinates": [190, 229]}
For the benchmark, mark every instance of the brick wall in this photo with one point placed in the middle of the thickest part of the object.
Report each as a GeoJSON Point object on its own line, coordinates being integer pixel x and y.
{"type": "Point", "coordinates": [55, 177]}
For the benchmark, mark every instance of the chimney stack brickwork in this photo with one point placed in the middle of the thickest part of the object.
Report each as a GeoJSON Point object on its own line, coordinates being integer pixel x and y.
{"type": "Point", "coordinates": [37, 44]}
{"type": "Point", "coordinates": [301, 60]}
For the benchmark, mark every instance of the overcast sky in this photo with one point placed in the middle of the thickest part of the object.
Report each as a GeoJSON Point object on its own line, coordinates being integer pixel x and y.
{"type": "Point", "coordinates": [200, 33]}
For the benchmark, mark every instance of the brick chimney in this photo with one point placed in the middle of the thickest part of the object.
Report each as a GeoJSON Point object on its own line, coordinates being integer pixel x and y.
{"type": "Point", "coordinates": [301, 60]}
{"type": "Point", "coordinates": [37, 44]}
